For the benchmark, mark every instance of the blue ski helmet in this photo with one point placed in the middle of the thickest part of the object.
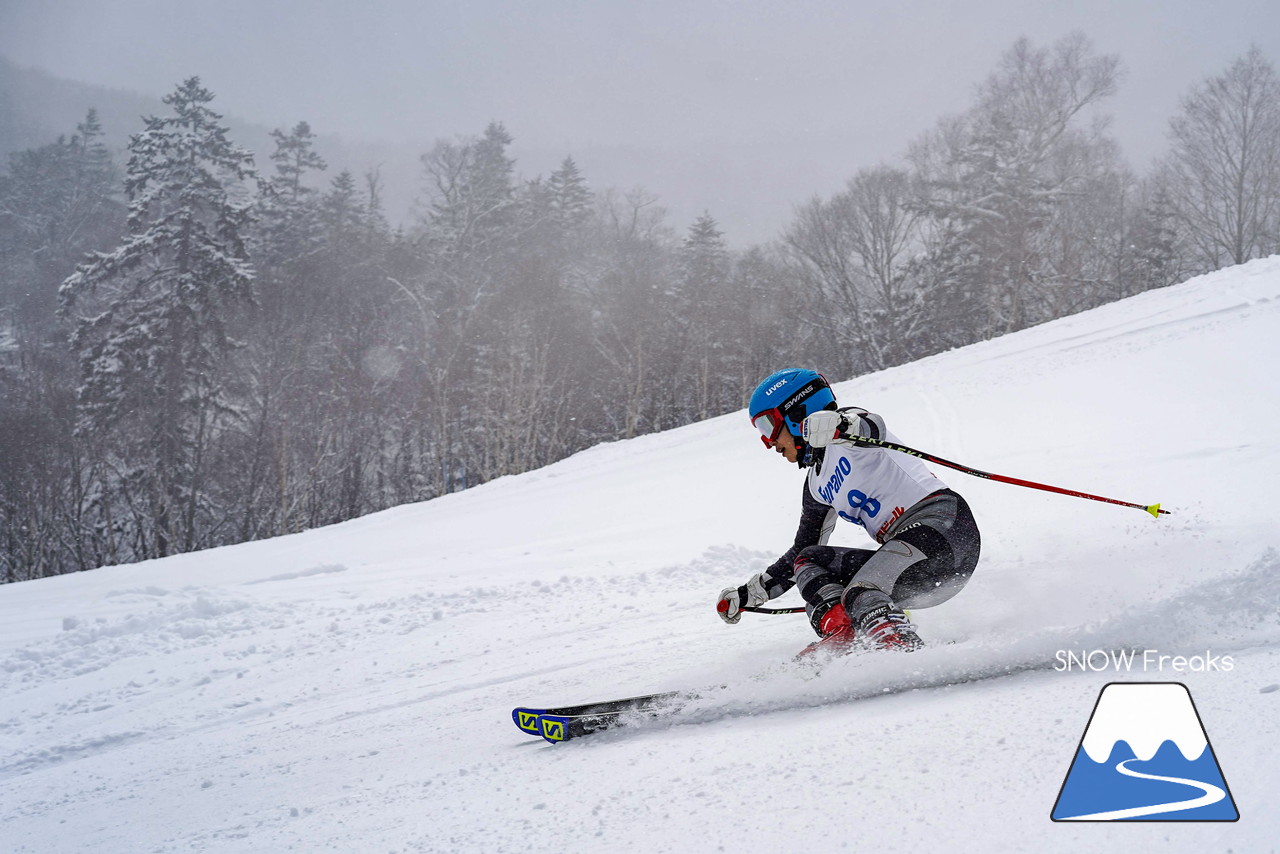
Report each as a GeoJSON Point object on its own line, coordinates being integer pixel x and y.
{"type": "Point", "coordinates": [785, 398]}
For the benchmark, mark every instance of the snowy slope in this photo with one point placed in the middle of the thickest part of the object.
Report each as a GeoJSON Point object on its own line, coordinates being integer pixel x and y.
{"type": "Point", "coordinates": [349, 689]}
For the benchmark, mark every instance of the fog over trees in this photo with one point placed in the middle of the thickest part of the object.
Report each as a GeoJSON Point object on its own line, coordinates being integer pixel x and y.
{"type": "Point", "coordinates": [197, 351]}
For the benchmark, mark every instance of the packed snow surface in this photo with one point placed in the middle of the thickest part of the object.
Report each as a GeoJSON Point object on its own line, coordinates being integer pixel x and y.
{"type": "Point", "coordinates": [350, 688]}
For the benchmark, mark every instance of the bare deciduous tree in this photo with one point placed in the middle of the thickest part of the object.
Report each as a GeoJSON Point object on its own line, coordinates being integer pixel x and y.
{"type": "Point", "coordinates": [1225, 160]}
{"type": "Point", "coordinates": [852, 252]}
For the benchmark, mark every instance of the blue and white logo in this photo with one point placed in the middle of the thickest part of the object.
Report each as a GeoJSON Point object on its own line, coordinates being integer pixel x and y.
{"type": "Point", "coordinates": [1145, 757]}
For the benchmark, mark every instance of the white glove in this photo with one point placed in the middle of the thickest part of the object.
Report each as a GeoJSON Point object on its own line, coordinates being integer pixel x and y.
{"type": "Point", "coordinates": [824, 427]}
{"type": "Point", "coordinates": [734, 599]}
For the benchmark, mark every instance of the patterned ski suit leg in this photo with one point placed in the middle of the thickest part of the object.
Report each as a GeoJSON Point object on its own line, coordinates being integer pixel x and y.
{"type": "Point", "coordinates": [927, 557]}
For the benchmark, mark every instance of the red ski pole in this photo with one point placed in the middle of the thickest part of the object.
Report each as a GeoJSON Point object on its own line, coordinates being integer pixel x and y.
{"type": "Point", "coordinates": [1153, 509]}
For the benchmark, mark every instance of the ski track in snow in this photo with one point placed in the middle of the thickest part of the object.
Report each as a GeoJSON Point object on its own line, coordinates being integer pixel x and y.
{"type": "Point", "coordinates": [349, 689]}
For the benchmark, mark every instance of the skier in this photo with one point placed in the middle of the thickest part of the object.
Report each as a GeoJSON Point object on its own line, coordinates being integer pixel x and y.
{"type": "Point", "coordinates": [929, 542]}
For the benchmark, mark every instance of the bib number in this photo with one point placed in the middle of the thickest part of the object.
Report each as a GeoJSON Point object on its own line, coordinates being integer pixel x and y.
{"type": "Point", "coordinates": [859, 501]}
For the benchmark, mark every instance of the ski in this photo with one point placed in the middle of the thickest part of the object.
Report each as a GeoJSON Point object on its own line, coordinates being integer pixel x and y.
{"type": "Point", "coordinates": [565, 722]}
{"type": "Point", "coordinates": [558, 728]}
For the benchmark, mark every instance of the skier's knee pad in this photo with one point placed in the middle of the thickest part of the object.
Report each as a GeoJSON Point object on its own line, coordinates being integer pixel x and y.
{"type": "Point", "coordinates": [821, 556]}
{"type": "Point", "coordinates": [814, 576]}
{"type": "Point", "coordinates": [813, 571]}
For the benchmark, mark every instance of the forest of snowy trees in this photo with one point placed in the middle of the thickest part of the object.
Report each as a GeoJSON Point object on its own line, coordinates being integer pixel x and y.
{"type": "Point", "coordinates": [198, 350]}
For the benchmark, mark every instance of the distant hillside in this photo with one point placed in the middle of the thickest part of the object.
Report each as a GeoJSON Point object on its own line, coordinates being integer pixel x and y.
{"type": "Point", "coordinates": [36, 108]}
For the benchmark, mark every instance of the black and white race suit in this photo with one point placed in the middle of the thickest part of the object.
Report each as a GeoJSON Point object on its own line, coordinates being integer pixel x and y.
{"type": "Point", "coordinates": [929, 539]}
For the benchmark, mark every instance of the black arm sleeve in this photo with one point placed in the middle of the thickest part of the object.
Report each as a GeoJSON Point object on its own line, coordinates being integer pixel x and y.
{"type": "Point", "coordinates": [815, 526]}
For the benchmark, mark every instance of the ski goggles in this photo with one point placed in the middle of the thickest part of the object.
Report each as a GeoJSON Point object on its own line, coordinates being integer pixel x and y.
{"type": "Point", "coordinates": [770, 424]}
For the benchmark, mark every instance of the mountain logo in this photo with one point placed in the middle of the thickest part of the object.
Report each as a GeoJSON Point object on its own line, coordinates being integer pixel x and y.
{"type": "Point", "coordinates": [1145, 756]}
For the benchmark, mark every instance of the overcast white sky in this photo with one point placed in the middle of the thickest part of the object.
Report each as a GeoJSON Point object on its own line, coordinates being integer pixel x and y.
{"type": "Point", "coordinates": [740, 108]}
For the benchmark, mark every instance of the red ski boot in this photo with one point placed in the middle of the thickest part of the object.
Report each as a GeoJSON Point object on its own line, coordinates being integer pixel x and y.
{"type": "Point", "coordinates": [837, 633]}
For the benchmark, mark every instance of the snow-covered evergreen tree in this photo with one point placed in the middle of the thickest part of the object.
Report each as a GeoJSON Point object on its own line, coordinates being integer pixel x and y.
{"type": "Point", "coordinates": [570, 198]}
{"type": "Point", "coordinates": [56, 203]}
{"type": "Point", "coordinates": [700, 313]}
{"type": "Point", "coordinates": [1003, 173]}
{"type": "Point", "coordinates": [288, 220]}
{"type": "Point", "coordinates": [294, 157]}
{"type": "Point", "coordinates": [470, 193]}
{"type": "Point", "coordinates": [1159, 258]}
{"type": "Point", "coordinates": [155, 331]}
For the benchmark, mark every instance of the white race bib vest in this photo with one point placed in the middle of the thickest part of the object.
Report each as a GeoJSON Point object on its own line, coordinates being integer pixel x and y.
{"type": "Point", "coordinates": [871, 487]}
